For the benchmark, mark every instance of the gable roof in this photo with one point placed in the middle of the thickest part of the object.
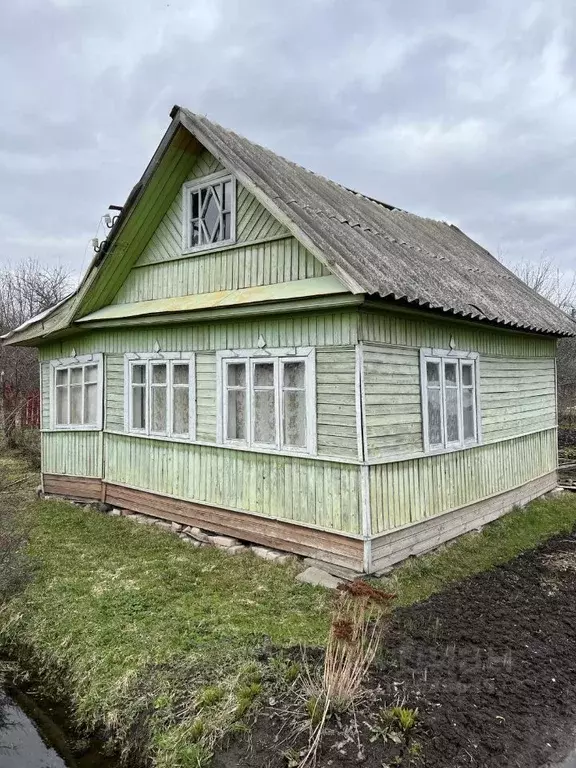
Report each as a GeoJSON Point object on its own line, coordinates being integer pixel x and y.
{"type": "Point", "coordinates": [380, 250]}
{"type": "Point", "coordinates": [371, 247]}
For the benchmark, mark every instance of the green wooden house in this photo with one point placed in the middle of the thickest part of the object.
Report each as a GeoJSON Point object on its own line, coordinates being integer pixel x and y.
{"type": "Point", "coordinates": [258, 351]}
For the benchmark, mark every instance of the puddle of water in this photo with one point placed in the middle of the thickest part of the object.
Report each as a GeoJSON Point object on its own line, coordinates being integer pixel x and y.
{"type": "Point", "coordinates": [21, 745]}
{"type": "Point", "coordinates": [30, 737]}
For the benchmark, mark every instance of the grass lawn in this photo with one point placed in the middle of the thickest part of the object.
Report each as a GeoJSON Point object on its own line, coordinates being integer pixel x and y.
{"type": "Point", "coordinates": [169, 646]}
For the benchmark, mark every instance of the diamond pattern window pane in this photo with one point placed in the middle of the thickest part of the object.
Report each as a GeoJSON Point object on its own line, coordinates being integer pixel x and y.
{"type": "Point", "coordinates": [211, 213]}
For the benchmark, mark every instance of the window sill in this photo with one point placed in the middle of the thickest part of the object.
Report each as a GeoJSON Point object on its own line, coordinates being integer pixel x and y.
{"type": "Point", "coordinates": [209, 247]}
{"type": "Point", "coordinates": [74, 428]}
{"type": "Point", "coordinates": [452, 448]}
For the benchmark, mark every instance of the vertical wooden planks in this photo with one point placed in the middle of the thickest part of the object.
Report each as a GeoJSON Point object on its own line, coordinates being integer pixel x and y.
{"type": "Point", "coordinates": [409, 491]}
{"type": "Point", "coordinates": [324, 494]}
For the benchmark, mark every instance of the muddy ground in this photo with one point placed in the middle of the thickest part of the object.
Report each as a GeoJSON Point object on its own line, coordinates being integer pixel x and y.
{"type": "Point", "coordinates": [490, 664]}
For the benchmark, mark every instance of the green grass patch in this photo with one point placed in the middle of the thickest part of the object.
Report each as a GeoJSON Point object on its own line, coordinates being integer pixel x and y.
{"type": "Point", "coordinates": [160, 642]}
{"type": "Point", "coordinates": [496, 543]}
{"type": "Point", "coordinates": [166, 645]}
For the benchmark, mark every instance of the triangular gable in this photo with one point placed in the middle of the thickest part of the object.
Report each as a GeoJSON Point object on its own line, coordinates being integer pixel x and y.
{"type": "Point", "coordinates": [159, 191]}
{"type": "Point", "coordinates": [264, 252]}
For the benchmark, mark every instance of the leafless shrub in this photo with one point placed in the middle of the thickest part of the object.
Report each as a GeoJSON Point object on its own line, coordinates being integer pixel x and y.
{"type": "Point", "coordinates": [25, 290]}
{"type": "Point", "coordinates": [547, 279]}
{"type": "Point", "coordinates": [359, 618]}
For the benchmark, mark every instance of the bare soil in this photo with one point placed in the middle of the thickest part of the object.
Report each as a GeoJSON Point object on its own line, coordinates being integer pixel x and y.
{"type": "Point", "coordinates": [490, 664]}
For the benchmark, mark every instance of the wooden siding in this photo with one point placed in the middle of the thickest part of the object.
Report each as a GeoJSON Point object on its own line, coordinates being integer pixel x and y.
{"type": "Point", "coordinates": [253, 221]}
{"type": "Point", "coordinates": [72, 453]}
{"type": "Point", "coordinates": [517, 396]}
{"type": "Point", "coordinates": [45, 405]}
{"type": "Point", "coordinates": [415, 539]}
{"type": "Point", "coordinates": [414, 330]}
{"type": "Point", "coordinates": [83, 488]}
{"type": "Point", "coordinates": [410, 491]}
{"type": "Point", "coordinates": [324, 494]}
{"type": "Point", "coordinates": [278, 261]}
{"type": "Point", "coordinates": [305, 330]}
{"type": "Point", "coordinates": [173, 169]}
{"type": "Point", "coordinates": [206, 406]}
{"type": "Point", "coordinates": [163, 271]}
{"type": "Point", "coordinates": [336, 402]}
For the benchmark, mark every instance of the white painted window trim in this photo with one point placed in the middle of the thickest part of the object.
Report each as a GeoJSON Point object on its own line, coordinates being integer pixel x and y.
{"type": "Point", "coordinates": [283, 354]}
{"type": "Point", "coordinates": [149, 358]}
{"type": "Point", "coordinates": [194, 186]}
{"type": "Point", "coordinates": [429, 354]}
{"type": "Point", "coordinates": [77, 362]}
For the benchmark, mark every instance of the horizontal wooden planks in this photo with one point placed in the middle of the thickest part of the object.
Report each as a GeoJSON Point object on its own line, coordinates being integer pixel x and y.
{"type": "Point", "coordinates": [324, 494]}
{"type": "Point", "coordinates": [85, 488]}
{"type": "Point", "coordinates": [72, 453]}
{"type": "Point", "coordinates": [206, 397]}
{"type": "Point", "coordinates": [336, 401]}
{"type": "Point", "coordinates": [410, 491]}
{"type": "Point", "coordinates": [418, 331]}
{"type": "Point", "coordinates": [318, 329]}
{"type": "Point", "coordinates": [281, 535]}
{"type": "Point", "coordinates": [415, 539]}
{"type": "Point", "coordinates": [393, 418]}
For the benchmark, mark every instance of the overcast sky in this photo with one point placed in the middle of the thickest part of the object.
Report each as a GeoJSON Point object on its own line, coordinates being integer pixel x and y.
{"type": "Point", "coordinates": [459, 110]}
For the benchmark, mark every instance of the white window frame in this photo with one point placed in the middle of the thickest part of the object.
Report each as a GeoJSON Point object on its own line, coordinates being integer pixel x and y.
{"type": "Point", "coordinates": [278, 356]}
{"type": "Point", "coordinates": [195, 186]}
{"type": "Point", "coordinates": [80, 361]}
{"type": "Point", "coordinates": [443, 356]}
{"type": "Point", "coordinates": [170, 359]}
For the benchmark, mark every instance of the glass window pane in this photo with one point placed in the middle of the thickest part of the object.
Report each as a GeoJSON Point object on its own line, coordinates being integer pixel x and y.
{"type": "Point", "coordinates": [62, 376]}
{"type": "Point", "coordinates": [139, 373]}
{"type": "Point", "coordinates": [450, 375]}
{"type": "Point", "coordinates": [181, 373]}
{"type": "Point", "coordinates": [227, 195]}
{"type": "Point", "coordinates": [264, 375]}
{"type": "Point", "coordinates": [181, 411]}
{"type": "Point", "coordinates": [227, 222]}
{"type": "Point", "coordinates": [194, 201]}
{"type": "Point", "coordinates": [236, 426]}
{"type": "Point", "coordinates": [75, 375]}
{"type": "Point", "coordinates": [265, 417]}
{"type": "Point", "coordinates": [61, 405]}
{"type": "Point", "coordinates": [90, 403]}
{"type": "Point", "coordinates": [295, 419]}
{"type": "Point", "coordinates": [236, 374]}
{"type": "Point", "coordinates": [452, 433]}
{"type": "Point", "coordinates": [434, 416]}
{"type": "Point", "coordinates": [139, 407]}
{"type": "Point", "coordinates": [91, 373]}
{"type": "Point", "coordinates": [76, 405]}
{"type": "Point", "coordinates": [468, 414]}
{"type": "Point", "coordinates": [467, 379]}
{"type": "Point", "coordinates": [294, 374]}
{"type": "Point", "coordinates": [433, 373]}
{"type": "Point", "coordinates": [158, 418]}
{"type": "Point", "coordinates": [159, 373]}
{"type": "Point", "coordinates": [194, 234]}
{"type": "Point", "coordinates": [211, 215]}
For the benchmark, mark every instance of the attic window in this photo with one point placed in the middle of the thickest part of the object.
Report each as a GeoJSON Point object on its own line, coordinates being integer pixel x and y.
{"type": "Point", "coordinates": [209, 212]}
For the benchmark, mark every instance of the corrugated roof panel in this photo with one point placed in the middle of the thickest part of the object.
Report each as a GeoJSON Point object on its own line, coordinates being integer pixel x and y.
{"type": "Point", "coordinates": [385, 251]}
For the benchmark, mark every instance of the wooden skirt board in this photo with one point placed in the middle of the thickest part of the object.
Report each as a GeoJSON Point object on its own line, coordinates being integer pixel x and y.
{"type": "Point", "coordinates": [289, 537]}
{"type": "Point", "coordinates": [75, 488]}
{"type": "Point", "coordinates": [385, 550]}
{"type": "Point", "coordinates": [391, 548]}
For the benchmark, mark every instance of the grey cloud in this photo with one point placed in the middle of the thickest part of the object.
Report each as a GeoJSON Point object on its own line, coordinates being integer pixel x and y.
{"type": "Point", "coordinates": [465, 112]}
